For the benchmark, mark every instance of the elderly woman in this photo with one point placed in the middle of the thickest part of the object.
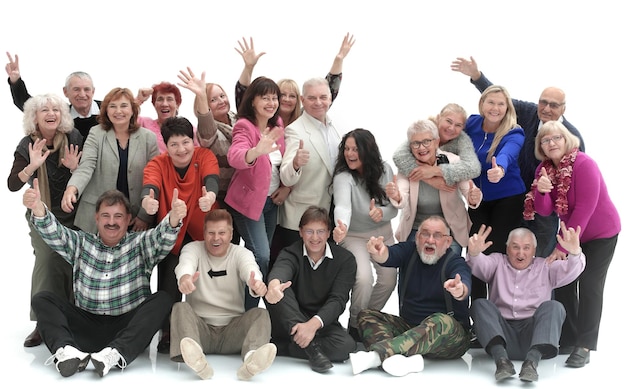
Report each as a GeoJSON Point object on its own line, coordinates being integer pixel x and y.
{"type": "Point", "coordinates": [362, 210]}
{"type": "Point", "coordinates": [570, 183]}
{"type": "Point", "coordinates": [50, 151]}
{"type": "Point", "coordinates": [421, 199]}
{"type": "Point", "coordinates": [114, 156]}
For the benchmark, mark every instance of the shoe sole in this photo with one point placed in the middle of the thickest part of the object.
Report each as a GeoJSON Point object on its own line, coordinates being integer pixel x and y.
{"type": "Point", "coordinates": [194, 357]}
{"type": "Point", "coordinates": [398, 365]}
{"type": "Point", "coordinates": [260, 360]}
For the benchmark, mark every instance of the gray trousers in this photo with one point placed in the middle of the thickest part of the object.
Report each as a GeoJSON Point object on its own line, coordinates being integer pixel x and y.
{"type": "Point", "coordinates": [247, 332]}
{"type": "Point", "coordinates": [541, 331]}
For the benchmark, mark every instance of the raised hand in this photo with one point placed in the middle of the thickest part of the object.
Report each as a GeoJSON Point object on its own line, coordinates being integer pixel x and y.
{"type": "Point", "coordinates": [339, 232]}
{"type": "Point", "coordinates": [179, 209]}
{"type": "Point", "coordinates": [391, 190]}
{"type": "Point", "coordinates": [206, 201]}
{"type": "Point", "coordinates": [569, 239]}
{"type": "Point", "coordinates": [302, 156]}
{"type": "Point", "coordinates": [544, 185]}
{"type": "Point", "coordinates": [346, 45]}
{"type": "Point", "coordinates": [36, 153]}
{"type": "Point", "coordinates": [467, 67]}
{"type": "Point", "coordinates": [187, 283]}
{"type": "Point", "coordinates": [72, 157]}
{"type": "Point", "coordinates": [247, 52]}
{"type": "Point", "coordinates": [257, 286]}
{"type": "Point", "coordinates": [269, 137]}
{"type": "Point", "coordinates": [496, 173]}
{"type": "Point", "coordinates": [455, 287]}
{"type": "Point", "coordinates": [275, 291]}
{"type": "Point", "coordinates": [143, 94]}
{"type": "Point", "coordinates": [32, 199]}
{"type": "Point", "coordinates": [478, 242]}
{"type": "Point", "coordinates": [376, 214]}
{"type": "Point", "coordinates": [193, 83]}
{"type": "Point", "coordinates": [13, 68]}
{"type": "Point", "coordinates": [376, 245]}
{"type": "Point", "coordinates": [150, 204]}
{"type": "Point", "coordinates": [474, 195]}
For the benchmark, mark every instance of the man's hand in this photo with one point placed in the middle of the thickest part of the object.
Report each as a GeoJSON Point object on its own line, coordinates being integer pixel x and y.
{"type": "Point", "coordinates": [301, 158]}
{"type": "Point", "coordinates": [187, 283]}
{"type": "Point", "coordinates": [179, 210]}
{"type": "Point", "coordinates": [303, 333]}
{"type": "Point", "coordinates": [477, 242]}
{"type": "Point", "coordinates": [13, 68]}
{"type": "Point", "coordinates": [32, 200]}
{"type": "Point", "coordinates": [455, 287]}
{"type": "Point", "coordinates": [467, 67]}
{"type": "Point", "coordinates": [275, 290]}
{"type": "Point", "coordinates": [257, 286]}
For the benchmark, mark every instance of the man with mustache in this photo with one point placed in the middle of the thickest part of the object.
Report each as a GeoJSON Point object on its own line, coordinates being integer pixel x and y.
{"type": "Point", "coordinates": [433, 289]}
{"type": "Point", "coordinates": [115, 315]}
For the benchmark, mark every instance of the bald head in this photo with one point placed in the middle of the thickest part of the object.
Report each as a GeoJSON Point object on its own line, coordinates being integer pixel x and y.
{"type": "Point", "coordinates": [551, 105]}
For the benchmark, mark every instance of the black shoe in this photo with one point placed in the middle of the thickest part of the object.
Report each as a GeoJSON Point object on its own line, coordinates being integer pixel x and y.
{"type": "Point", "coordinates": [354, 333]}
{"type": "Point", "coordinates": [504, 369]}
{"type": "Point", "coordinates": [318, 361]}
{"type": "Point", "coordinates": [578, 358]}
{"type": "Point", "coordinates": [33, 339]}
{"type": "Point", "coordinates": [529, 371]}
{"type": "Point", "coordinates": [164, 344]}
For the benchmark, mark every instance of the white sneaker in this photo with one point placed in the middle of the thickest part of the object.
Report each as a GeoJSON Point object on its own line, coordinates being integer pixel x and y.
{"type": "Point", "coordinates": [257, 361]}
{"type": "Point", "coordinates": [193, 355]}
{"type": "Point", "coordinates": [398, 365]}
{"type": "Point", "coordinates": [363, 360]}
{"type": "Point", "coordinates": [68, 360]}
{"type": "Point", "coordinates": [105, 359]}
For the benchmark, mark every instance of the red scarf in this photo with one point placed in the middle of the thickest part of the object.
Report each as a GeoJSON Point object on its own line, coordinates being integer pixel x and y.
{"type": "Point", "coordinates": [561, 176]}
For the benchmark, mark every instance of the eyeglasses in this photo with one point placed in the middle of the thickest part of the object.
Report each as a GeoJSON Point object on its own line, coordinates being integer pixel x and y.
{"type": "Point", "coordinates": [417, 144]}
{"type": "Point", "coordinates": [548, 139]}
{"type": "Point", "coordinates": [320, 232]}
{"type": "Point", "coordinates": [552, 105]}
{"type": "Point", "coordinates": [436, 236]}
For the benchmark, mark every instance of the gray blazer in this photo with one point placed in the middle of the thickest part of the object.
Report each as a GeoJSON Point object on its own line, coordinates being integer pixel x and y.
{"type": "Point", "coordinates": [99, 166]}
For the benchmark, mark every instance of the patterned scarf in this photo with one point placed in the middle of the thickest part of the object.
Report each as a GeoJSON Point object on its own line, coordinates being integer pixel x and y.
{"type": "Point", "coordinates": [59, 143]}
{"type": "Point", "coordinates": [562, 176]}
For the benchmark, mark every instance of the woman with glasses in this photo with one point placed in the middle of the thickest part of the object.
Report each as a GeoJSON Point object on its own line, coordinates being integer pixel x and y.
{"type": "Point", "coordinates": [362, 210]}
{"type": "Point", "coordinates": [497, 140]}
{"type": "Point", "coordinates": [420, 199]}
{"type": "Point", "coordinates": [570, 183]}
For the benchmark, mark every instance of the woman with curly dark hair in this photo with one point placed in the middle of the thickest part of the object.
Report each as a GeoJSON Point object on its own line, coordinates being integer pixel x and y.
{"type": "Point", "coordinates": [362, 210]}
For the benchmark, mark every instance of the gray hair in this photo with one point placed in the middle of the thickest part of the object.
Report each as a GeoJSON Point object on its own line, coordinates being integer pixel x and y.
{"type": "Point", "coordinates": [422, 126]}
{"type": "Point", "coordinates": [521, 232]}
{"type": "Point", "coordinates": [36, 103]}
{"type": "Point", "coordinates": [81, 75]}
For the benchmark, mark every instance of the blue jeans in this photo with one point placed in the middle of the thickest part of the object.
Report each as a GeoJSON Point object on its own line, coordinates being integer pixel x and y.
{"type": "Point", "coordinates": [257, 236]}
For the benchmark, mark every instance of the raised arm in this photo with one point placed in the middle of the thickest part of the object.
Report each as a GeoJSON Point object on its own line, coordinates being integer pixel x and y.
{"type": "Point", "coordinates": [18, 88]}
{"type": "Point", "coordinates": [335, 74]}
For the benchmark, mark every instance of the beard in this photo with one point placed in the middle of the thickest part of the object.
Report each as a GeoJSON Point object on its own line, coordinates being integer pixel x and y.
{"type": "Point", "coordinates": [429, 259]}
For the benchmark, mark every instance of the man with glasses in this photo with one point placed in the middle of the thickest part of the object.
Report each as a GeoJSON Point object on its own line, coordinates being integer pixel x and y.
{"type": "Point", "coordinates": [530, 116]}
{"type": "Point", "coordinates": [309, 286]}
{"type": "Point", "coordinates": [433, 289]}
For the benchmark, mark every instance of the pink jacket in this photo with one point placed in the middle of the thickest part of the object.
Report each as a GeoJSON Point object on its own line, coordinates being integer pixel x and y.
{"type": "Point", "coordinates": [250, 183]}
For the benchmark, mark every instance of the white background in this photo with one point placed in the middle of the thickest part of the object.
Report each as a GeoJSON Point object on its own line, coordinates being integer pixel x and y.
{"type": "Point", "coordinates": [397, 72]}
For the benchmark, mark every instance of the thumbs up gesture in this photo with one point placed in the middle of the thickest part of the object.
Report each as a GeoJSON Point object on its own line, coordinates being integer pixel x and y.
{"type": "Point", "coordinates": [391, 189]}
{"type": "Point", "coordinates": [375, 213]}
{"type": "Point", "coordinates": [186, 284]}
{"type": "Point", "coordinates": [179, 210]}
{"type": "Point", "coordinates": [302, 156]}
{"type": "Point", "coordinates": [32, 199]}
{"type": "Point", "coordinates": [339, 232]}
{"type": "Point", "coordinates": [474, 195]}
{"type": "Point", "coordinates": [206, 201]}
{"type": "Point", "coordinates": [257, 286]}
{"type": "Point", "coordinates": [544, 184]}
{"type": "Point", "coordinates": [496, 173]}
{"type": "Point", "coordinates": [150, 204]}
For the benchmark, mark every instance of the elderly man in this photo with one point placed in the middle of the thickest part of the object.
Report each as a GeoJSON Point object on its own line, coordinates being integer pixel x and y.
{"type": "Point", "coordinates": [308, 288]}
{"type": "Point", "coordinates": [213, 273]}
{"type": "Point", "coordinates": [311, 148]}
{"type": "Point", "coordinates": [520, 320]}
{"type": "Point", "coordinates": [78, 89]}
{"type": "Point", "coordinates": [115, 315]}
{"type": "Point", "coordinates": [434, 285]}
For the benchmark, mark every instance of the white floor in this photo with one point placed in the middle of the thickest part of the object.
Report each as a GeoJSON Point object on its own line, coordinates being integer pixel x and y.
{"type": "Point", "coordinates": [151, 369]}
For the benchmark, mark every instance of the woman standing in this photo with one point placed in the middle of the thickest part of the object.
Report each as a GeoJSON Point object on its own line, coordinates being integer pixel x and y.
{"type": "Point", "coordinates": [256, 153]}
{"type": "Point", "coordinates": [497, 140]}
{"type": "Point", "coordinates": [114, 156]}
{"type": "Point", "coordinates": [50, 151]}
{"type": "Point", "coordinates": [362, 210]}
{"type": "Point", "coordinates": [570, 183]}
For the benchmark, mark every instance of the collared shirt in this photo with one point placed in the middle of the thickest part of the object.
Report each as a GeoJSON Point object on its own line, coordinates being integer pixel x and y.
{"type": "Point", "coordinates": [109, 280]}
{"type": "Point", "coordinates": [560, 120]}
{"type": "Point", "coordinates": [94, 110]}
{"type": "Point", "coordinates": [314, 265]}
{"type": "Point", "coordinates": [518, 293]}
{"type": "Point", "coordinates": [331, 141]}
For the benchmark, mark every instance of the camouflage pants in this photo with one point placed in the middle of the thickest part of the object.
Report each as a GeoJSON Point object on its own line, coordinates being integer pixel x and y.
{"type": "Point", "coordinates": [438, 336]}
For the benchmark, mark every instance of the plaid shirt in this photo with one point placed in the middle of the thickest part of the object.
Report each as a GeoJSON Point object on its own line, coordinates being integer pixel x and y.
{"type": "Point", "coordinates": [109, 280]}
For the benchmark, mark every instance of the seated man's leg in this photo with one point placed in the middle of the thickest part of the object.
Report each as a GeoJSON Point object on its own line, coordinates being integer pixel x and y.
{"type": "Point", "coordinates": [377, 327]}
{"type": "Point", "coordinates": [247, 332]}
{"type": "Point", "coordinates": [185, 323]}
{"type": "Point", "coordinates": [546, 332]}
{"type": "Point", "coordinates": [336, 342]}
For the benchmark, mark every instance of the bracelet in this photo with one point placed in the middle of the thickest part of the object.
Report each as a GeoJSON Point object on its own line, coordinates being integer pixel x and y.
{"type": "Point", "coordinates": [25, 172]}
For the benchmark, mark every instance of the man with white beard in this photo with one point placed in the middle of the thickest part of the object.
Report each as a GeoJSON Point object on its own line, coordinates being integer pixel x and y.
{"type": "Point", "coordinates": [433, 289]}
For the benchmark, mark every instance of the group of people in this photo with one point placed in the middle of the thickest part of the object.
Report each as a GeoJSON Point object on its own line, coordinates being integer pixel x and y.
{"type": "Point", "coordinates": [490, 206]}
